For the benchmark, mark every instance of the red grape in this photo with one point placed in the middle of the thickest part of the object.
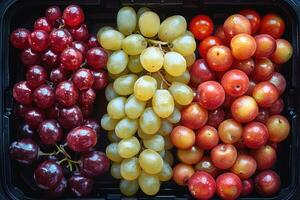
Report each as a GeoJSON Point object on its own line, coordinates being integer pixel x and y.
{"type": "Point", "coordinates": [81, 139]}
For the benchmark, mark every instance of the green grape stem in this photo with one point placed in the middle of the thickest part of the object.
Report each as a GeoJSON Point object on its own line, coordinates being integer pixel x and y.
{"type": "Point", "coordinates": [156, 42]}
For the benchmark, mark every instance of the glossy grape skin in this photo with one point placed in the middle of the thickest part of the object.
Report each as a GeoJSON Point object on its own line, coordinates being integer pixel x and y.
{"type": "Point", "coordinates": [107, 123]}
{"type": "Point", "coordinates": [149, 121]}
{"type": "Point", "coordinates": [22, 93]}
{"type": "Point", "coordinates": [81, 139]}
{"type": "Point", "coordinates": [94, 163]}
{"type": "Point", "coordinates": [80, 185]}
{"type": "Point", "coordinates": [79, 33]}
{"type": "Point", "coordinates": [34, 117]}
{"type": "Point", "coordinates": [80, 46]}
{"type": "Point", "coordinates": [126, 127]}
{"type": "Point", "coordinates": [156, 143]}
{"type": "Point", "coordinates": [172, 27]}
{"type": "Point", "coordinates": [97, 57]}
{"type": "Point", "coordinates": [129, 147]}
{"type": "Point", "coordinates": [134, 107]}
{"type": "Point", "coordinates": [19, 38]}
{"type": "Point", "coordinates": [134, 64]}
{"type": "Point", "coordinates": [42, 24]}
{"type": "Point", "coordinates": [66, 93]}
{"type": "Point", "coordinates": [150, 161]}
{"type": "Point", "coordinates": [112, 153]}
{"type": "Point", "coordinates": [117, 62]}
{"type": "Point", "coordinates": [53, 13]}
{"type": "Point", "coordinates": [134, 44]}
{"type": "Point", "coordinates": [30, 57]}
{"type": "Point", "coordinates": [70, 117]}
{"type": "Point", "coordinates": [111, 39]}
{"type": "Point", "coordinates": [115, 170]}
{"type": "Point", "coordinates": [100, 79]}
{"type": "Point", "coordinates": [58, 75]}
{"type": "Point", "coordinates": [71, 58]}
{"type": "Point", "coordinates": [87, 97]}
{"type": "Point", "coordinates": [53, 112]}
{"type": "Point", "coordinates": [43, 96]}
{"type": "Point", "coordinates": [59, 190]}
{"type": "Point", "coordinates": [92, 41]}
{"type": "Point", "coordinates": [50, 132]}
{"type": "Point", "coordinates": [83, 79]}
{"type": "Point", "coordinates": [24, 151]}
{"type": "Point", "coordinates": [38, 40]}
{"type": "Point", "coordinates": [36, 75]}
{"type": "Point", "coordinates": [73, 15]}
{"type": "Point", "coordinates": [130, 169]}
{"type": "Point", "coordinates": [50, 58]}
{"type": "Point", "coordinates": [129, 188]}
{"type": "Point", "coordinates": [181, 93]}
{"type": "Point", "coordinates": [48, 174]}
{"type": "Point", "coordinates": [145, 87]}
{"type": "Point", "coordinates": [152, 59]}
{"type": "Point", "coordinates": [149, 183]}
{"type": "Point", "coordinates": [149, 23]}
{"type": "Point", "coordinates": [175, 117]}
{"type": "Point", "coordinates": [59, 39]}
{"type": "Point", "coordinates": [126, 20]}
{"type": "Point", "coordinates": [26, 131]}
{"type": "Point", "coordinates": [116, 108]}
{"type": "Point", "coordinates": [163, 103]}
{"type": "Point", "coordinates": [174, 63]}
{"type": "Point", "coordinates": [123, 85]}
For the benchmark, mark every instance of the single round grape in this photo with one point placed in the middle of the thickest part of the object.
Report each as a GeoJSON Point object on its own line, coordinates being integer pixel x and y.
{"type": "Point", "coordinates": [184, 44]}
{"type": "Point", "coordinates": [19, 38]}
{"type": "Point", "coordinates": [42, 24]}
{"type": "Point", "coordinates": [107, 123]}
{"type": "Point", "coordinates": [124, 84]}
{"type": "Point", "coordinates": [172, 27]}
{"type": "Point", "coordinates": [143, 135]}
{"type": "Point", "coordinates": [156, 143]}
{"type": "Point", "coordinates": [101, 30]}
{"type": "Point", "coordinates": [117, 62]}
{"type": "Point", "coordinates": [115, 170]}
{"type": "Point", "coordinates": [175, 117]}
{"type": "Point", "coordinates": [116, 108]}
{"type": "Point", "coordinates": [134, 107]}
{"type": "Point", "coordinates": [126, 20]}
{"type": "Point", "coordinates": [110, 93]}
{"type": "Point", "coordinates": [183, 78]}
{"type": "Point", "coordinates": [163, 103]}
{"type": "Point", "coordinates": [36, 75]}
{"type": "Point", "coordinates": [111, 39]}
{"type": "Point", "coordinates": [66, 93]}
{"type": "Point", "coordinates": [92, 41]}
{"type": "Point", "coordinates": [34, 117]}
{"type": "Point", "coordinates": [166, 127]}
{"type": "Point", "coordinates": [38, 40]}
{"type": "Point", "coordinates": [190, 59]}
{"type": "Point", "coordinates": [134, 64]}
{"type": "Point", "coordinates": [50, 58]}
{"type": "Point", "coordinates": [58, 191]}
{"type": "Point", "coordinates": [182, 93]}
{"type": "Point", "coordinates": [30, 57]}
{"type": "Point", "coordinates": [152, 59]}
{"type": "Point", "coordinates": [93, 163]}
{"type": "Point", "coordinates": [149, 183]}
{"type": "Point", "coordinates": [129, 147]}
{"type": "Point", "coordinates": [22, 93]}
{"type": "Point", "coordinates": [79, 33]}
{"type": "Point", "coordinates": [149, 23]}
{"type": "Point", "coordinates": [134, 44]}
{"type": "Point", "coordinates": [87, 97]}
{"type": "Point", "coordinates": [50, 132]}
{"type": "Point", "coordinates": [100, 79]}
{"type": "Point", "coordinates": [166, 172]}
{"type": "Point", "coordinates": [58, 75]}
{"type": "Point", "coordinates": [126, 127]}
{"type": "Point", "coordinates": [70, 117]}
{"type": "Point", "coordinates": [73, 15]}
{"type": "Point", "coordinates": [150, 161]}
{"type": "Point", "coordinates": [169, 158]}
{"type": "Point", "coordinates": [96, 57]}
{"type": "Point", "coordinates": [149, 121]}
{"type": "Point", "coordinates": [144, 88]}
{"type": "Point", "coordinates": [112, 153]}
{"type": "Point", "coordinates": [130, 169]}
{"type": "Point", "coordinates": [112, 137]}
{"type": "Point", "coordinates": [81, 139]}
{"type": "Point", "coordinates": [24, 151]}
{"type": "Point", "coordinates": [59, 39]}
{"type": "Point", "coordinates": [129, 188]}
{"type": "Point", "coordinates": [174, 63]}
{"type": "Point", "coordinates": [43, 96]}
{"type": "Point", "coordinates": [53, 13]}
{"type": "Point", "coordinates": [80, 185]}
{"type": "Point", "coordinates": [168, 143]}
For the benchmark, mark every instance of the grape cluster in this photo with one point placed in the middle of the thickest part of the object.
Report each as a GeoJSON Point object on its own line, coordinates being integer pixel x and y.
{"type": "Point", "coordinates": [148, 65]}
{"type": "Point", "coordinates": [64, 70]}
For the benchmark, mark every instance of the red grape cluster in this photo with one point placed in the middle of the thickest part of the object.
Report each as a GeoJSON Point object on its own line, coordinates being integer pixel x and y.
{"type": "Point", "coordinates": [65, 68]}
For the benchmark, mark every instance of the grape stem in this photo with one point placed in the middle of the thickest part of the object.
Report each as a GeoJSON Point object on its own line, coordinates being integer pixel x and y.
{"type": "Point", "coordinates": [163, 80]}
{"type": "Point", "coordinates": [46, 154]}
{"type": "Point", "coordinates": [157, 42]}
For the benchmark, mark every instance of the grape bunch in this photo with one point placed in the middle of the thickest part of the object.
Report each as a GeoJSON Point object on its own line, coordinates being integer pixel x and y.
{"type": "Point", "coordinates": [65, 67]}
{"type": "Point", "coordinates": [148, 65]}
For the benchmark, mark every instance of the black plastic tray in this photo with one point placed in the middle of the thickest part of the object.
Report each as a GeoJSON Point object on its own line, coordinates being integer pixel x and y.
{"type": "Point", "coordinates": [22, 13]}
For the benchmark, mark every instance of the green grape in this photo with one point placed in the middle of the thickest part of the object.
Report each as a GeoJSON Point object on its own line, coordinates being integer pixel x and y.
{"type": "Point", "coordinates": [134, 44]}
{"type": "Point", "coordinates": [126, 127]}
{"type": "Point", "coordinates": [183, 78]}
{"type": "Point", "coordinates": [143, 135]}
{"type": "Point", "coordinates": [162, 153]}
{"type": "Point", "coordinates": [149, 183]}
{"type": "Point", "coordinates": [181, 93]}
{"type": "Point", "coordinates": [116, 108]}
{"type": "Point", "coordinates": [174, 63]}
{"type": "Point", "coordinates": [168, 143]}
{"type": "Point", "coordinates": [101, 30]}
{"type": "Point", "coordinates": [112, 152]}
{"type": "Point", "coordinates": [115, 76]}
{"type": "Point", "coordinates": [149, 23]}
{"type": "Point", "coordinates": [152, 59]}
{"type": "Point", "coordinates": [184, 44]}
{"type": "Point", "coordinates": [141, 11]}
{"type": "Point", "coordinates": [124, 84]}
{"type": "Point", "coordinates": [171, 28]}
{"type": "Point", "coordinates": [166, 172]}
{"type": "Point", "coordinates": [163, 103]}
{"type": "Point", "coordinates": [144, 88]}
{"type": "Point", "coordinates": [156, 143]}
{"type": "Point", "coordinates": [115, 170]}
{"type": "Point", "coordinates": [149, 121]}
{"type": "Point", "coordinates": [130, 169]}
{"type": "Point", "coordinates": [159, 80]}
{"type": "Point", "coordinates": [110, 93]}
{"type": "Point", "coordinates": [129, 147]}
{"type": "Point", "coordinates": [190, 59]}
{"type": "Point", "coordinates": [189, 33]}
{"type": "Point", "coordinates": [112, 137]}
{"type": "Point", "coordinates": [134, 107]}
{"type": "Point", "coordinates": [175, 117]}
{"type": "Point", "coordinates": [129, 188]}
{"type": "Point", "coordinates": [117, 62]}
{"type": "Point", "coordinates": [126, 20]}
{"type": "Point", "coordinates": [134, 64]}
{"type": "Point", "coordinates": [107, 123]}
{"type": "Point", "coordinates": [150, 161]}
{"type": "Point", "coordinates": [166, 127]}
{"type": "Point", "coordinates": [111, 39]}
{"type": "Point", "coordinates": [169, 158]}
